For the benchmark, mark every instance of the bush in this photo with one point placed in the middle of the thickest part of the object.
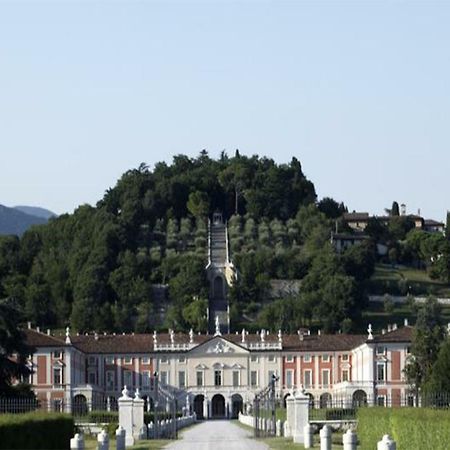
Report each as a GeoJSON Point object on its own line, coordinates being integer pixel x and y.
{"type": "Point", "coordinates": [411, 428]}
{"type": "Point", "coordinates": [49, 431]}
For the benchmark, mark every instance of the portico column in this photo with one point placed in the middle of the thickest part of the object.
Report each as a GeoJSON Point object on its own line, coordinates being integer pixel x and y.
{"type": "Point", "coordinates": [205, 407]}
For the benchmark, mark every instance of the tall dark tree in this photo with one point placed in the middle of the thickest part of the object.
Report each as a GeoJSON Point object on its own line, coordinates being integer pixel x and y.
{"type": "Point", "coordinates": [13, 349]}
{"type": "Point", "coordinates": [428, 335]}
{"type": "Point", "coordinates": [395, 210]}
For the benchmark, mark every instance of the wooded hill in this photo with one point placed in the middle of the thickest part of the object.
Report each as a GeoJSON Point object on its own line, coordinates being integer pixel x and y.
{"type": "Point", "coordinates": [96, 269]}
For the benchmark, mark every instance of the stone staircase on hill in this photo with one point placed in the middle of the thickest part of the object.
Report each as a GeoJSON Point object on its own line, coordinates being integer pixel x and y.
{"type": "Point", "coordinates": [219, 269]}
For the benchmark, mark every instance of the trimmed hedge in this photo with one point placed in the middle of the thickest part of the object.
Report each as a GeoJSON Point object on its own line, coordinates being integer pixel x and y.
{"type": "Point", "coordinates": [36, 431]}
{"type": "Point", "coordinates": [113, 416]}
{"type": "Point", "coordinates": [411, 428]}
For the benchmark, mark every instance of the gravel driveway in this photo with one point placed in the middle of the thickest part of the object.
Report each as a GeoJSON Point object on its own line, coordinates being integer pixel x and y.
{"type": "Point", "coordinates": [217, 435]}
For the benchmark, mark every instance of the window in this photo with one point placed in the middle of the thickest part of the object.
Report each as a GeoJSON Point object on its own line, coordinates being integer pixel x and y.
{"type": "Point", "coordinates": [345, 357]}
{"type": "Point", "coordinates": [236, 378]}
{"type": "Point", "coordinates": [380, 372]}
{"type": "Point", "coordinates": [289, 358]}
{"type": "Point", "coordinates": [345, 375]}
{"type": "Point", "coordinates": [146, 378]}
{"type": "Point", "coordinates": [217, 378]}
{"type": "Point", "coordinates": [109, 360]}
{"type": "Point", "coordinates": [253, 378]}
{"type": "Point", "coordinates": [92, 360]}
{"type": "Point", "coordinates": [92, 378]}
{"type": "Point", "coordinates": [272, 358]}
{"type": "Point", "coordinates": [182, 359]}
{"type": "Point", "coordinates": [57, 354]}
{"type": "Point", "coordinates": [199, 378]}
{"type": "Point", "coordinates": [57, 376]}
{"type": "Point", "coordinates": [181, 379]}
{"type": "Point", "coordinates": [325, 378]}
{"type": "Point", "coordinates": [307, 379]}
{"type": "Point", "coordinates": [381, 400]}
{"type": "Point", "coordinates": [253, 358]}
{"type": "Point", "coordinates": [145, 360]}
{"type": "Point", "coordinates": [163, 360]}
{"type": "Point", "coordinates": [289, 378]}
{"type": "Point", "coordinates": [163, 377]}
{"type": "Point", "coordinates": [325, 358]}
{"type": "Point", "coordinates": [408, 350]}
{"type": "Point", "coordinates": [128, 378]}
{"type": "Point", "coordinates": [307, 358]}
{"type": "Point", "coordinates": [381, 350]}
{"type": "Point", "coordinates": [110, 380]}
{"type": "Point", "coordinates": [128, 360]}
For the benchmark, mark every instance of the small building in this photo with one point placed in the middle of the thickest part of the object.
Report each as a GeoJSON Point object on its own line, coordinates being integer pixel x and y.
{"type": "Point", "coordinates": [433, 226]}
{"type": "Point", "coordinates": [342, 241]}
{"type": "Point", "coordinates": [356, 220]}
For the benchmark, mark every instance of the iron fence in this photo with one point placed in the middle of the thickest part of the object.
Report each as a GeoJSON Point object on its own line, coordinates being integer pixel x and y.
{"type": "Point", "coordinates": [343, 408]}
{"type": "Point", "coordinates": [264, 410]}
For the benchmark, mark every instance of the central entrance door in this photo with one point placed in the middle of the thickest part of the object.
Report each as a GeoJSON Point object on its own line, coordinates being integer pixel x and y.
{"type": "Point", "coordinates": [218, 407]}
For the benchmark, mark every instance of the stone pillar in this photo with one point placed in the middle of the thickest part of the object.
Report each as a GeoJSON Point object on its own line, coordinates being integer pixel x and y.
{"type": "Point", "coordinates": [350, 440]}
{"type": "Point", "coordinates": [102, 441]}
{"type": "Point", "coordinates": [120, 438]}
{"type": "Point", "coordinates": [386, 443]}
{"type": "Point", "coordinates": [301, 417]}
{"type": "Point", "coordinates": [77, 442]}
{"type": "Point", "coordinates": [138, 415]}
{"type": "Point", "coordinates": [290, 417]}
{"type": "Point", "coordinates": [279, 428]}
{"type": "Point", "coordinates": [126, 416]}
{"type": "Point", "coordinates": [308, 432]}
{"type": "Point", "coordinates": [325, 438]}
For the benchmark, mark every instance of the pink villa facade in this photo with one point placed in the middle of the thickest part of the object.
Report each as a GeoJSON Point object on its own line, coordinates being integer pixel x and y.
{"type": "Point", "coordinates": [219, 373]}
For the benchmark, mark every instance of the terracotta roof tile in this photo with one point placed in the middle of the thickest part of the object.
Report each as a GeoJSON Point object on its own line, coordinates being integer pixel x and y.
{"type": "Point", "coordinates": [403, 334]}
{"type": "Point", "coordinates": [37, 339]}
{"type": "Point", "coordinates": [143, 343]}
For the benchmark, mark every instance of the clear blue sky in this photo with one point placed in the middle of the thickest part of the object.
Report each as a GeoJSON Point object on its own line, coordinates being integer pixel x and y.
{"type": "Point", "coordinates": [358, 91]}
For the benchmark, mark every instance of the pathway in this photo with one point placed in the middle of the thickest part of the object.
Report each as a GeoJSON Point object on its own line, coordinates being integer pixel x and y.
{"type": "Point", "coordinates": [217, 435]}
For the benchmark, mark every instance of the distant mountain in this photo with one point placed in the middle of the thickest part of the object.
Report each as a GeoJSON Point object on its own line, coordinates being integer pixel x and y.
{"type": "Point", "coordinates": [36, 211]}
{"type": "Point", "coordinates": [14, 221]}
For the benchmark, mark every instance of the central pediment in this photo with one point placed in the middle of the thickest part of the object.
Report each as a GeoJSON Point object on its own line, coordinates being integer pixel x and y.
{"type": "Point", "coordinates": [218, 346]}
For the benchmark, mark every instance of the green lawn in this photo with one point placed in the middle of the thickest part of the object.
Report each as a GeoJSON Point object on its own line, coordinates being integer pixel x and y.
{"type": "Point", "coordinates": [398, 280]}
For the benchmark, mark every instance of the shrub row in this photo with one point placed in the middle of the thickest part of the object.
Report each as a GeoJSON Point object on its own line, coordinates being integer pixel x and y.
{"type": "Point", "coordinates": [411, 428]}
{"type": "Point", "coordinates": [36, 431]}
{"type": "Point", "coordinates": [113, 416]}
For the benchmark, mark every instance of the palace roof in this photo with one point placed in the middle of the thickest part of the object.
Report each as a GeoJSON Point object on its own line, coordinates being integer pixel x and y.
{"type": "Point", "coordinates": [173, 342]}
